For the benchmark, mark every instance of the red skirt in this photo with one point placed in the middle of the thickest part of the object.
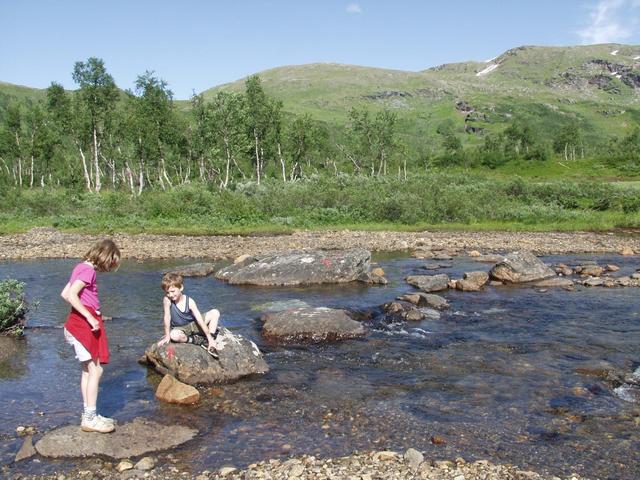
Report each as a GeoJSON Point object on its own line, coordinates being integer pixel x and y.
{"type": "Point", "coordinates": [96, 342]}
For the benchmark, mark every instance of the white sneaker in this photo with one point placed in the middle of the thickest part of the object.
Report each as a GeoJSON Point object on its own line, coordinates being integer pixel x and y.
{"type": "Point", "coordinates": [97, 424]}
{"type": "Point", "coordinates": [104, 419]}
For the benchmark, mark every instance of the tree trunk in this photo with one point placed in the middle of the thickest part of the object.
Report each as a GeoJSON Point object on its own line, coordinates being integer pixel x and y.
{"type": "Point", "coordinates": [96, 165]}
{"type": "Point", "coordinates": [31, 173]}
{"type": "Point", "coordinates": [284, 168]}
{"type": "Point", "coordinates": [87, 178]}
{"type": "Point", "coordinates": [257, 148]}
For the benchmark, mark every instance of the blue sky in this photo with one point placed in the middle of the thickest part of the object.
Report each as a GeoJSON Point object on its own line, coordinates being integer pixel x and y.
{"type": "Point", "coordinates": [195, 45]}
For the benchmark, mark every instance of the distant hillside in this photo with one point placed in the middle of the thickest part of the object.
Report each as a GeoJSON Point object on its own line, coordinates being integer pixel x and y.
{"type": "Point", "coordinates": [597, 85]}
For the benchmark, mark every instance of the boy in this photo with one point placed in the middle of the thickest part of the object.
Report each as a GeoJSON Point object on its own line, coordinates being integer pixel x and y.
{"type": "Point", "coordinates": [183, 322]}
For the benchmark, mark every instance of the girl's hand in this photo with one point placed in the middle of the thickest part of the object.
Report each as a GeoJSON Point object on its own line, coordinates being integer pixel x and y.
{"type": "Point", "coordinates": [164, 340]}
{"type": "Point", "coordinates": [95, 325]}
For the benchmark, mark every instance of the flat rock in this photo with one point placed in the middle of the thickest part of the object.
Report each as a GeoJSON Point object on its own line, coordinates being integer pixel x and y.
{"type": "Point", "coordinates": [472, 281]}
{"type": "Point", "coordinates": [194, 270]}
{"type": "Point", "coordinates": [423, 299]}
{"type": "Point", "coordinates": [27, 450]}
{"type": "Point", "coordinates": [300, 268]}
{"type": "Point", "coordinates": [559, 282]}
{"type": "Point", "coordinates": [311, 324]}
{"type": "Point", "coordinates": [429, 283]}
{"type": "Point", "coordinates": [191, 364]}
{"type": "Point", "coordinates": [131, 439]}
{"type": "Point", "coordinates": [520, 267]}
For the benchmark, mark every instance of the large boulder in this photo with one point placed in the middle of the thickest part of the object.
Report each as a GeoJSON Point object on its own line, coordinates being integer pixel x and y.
{"type": "Point", "coordinates": [191, 364]}
{"type": "Point", "coordinates": [520, 267]}
{"type": "Point", "coordinates": [128, 440]}
{"type": "Point", "coordinates": [300, 268]}
{"type": "Point", "coordinates": [429, 283]}
{"type": "Point", "coordinates": [311, 324]}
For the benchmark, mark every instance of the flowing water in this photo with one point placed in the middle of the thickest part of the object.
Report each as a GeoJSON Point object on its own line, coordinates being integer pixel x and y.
{"type": "Point", "coordinates": [502, 375]}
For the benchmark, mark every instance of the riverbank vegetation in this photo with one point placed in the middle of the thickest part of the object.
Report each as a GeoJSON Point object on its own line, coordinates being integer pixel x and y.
{"type": "Point", "coordinates": [99, 159]}
{"type": "Point", "coordinates": [13, 307]}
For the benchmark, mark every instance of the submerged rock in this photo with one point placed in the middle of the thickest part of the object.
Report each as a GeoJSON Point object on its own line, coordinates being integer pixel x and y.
{"type": "Point", "coordinates": [128, 440]}
{"type": "Point", "coordinates": [191, 364]}
{"type": "Point", "coordinates": [301, 268]}
{"type": "Point", "coordinates": [311, 324]}
{"type": "Point", "coordinates": [422, 299]}
{"type": "Point", "coordinates": [429, 283]}
{"type": "Point", "coordinates": [194, 270]}
{"type": "Point", "coordinates": [171, 390]}
{"type": "Point", "coordinates": [520, 267]}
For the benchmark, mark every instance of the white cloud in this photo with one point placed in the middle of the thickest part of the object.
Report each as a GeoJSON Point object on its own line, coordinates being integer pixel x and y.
{"type": "Point", "coordinates": [606, 25]}
{"type": "Point", "coordinates": [354, 8]}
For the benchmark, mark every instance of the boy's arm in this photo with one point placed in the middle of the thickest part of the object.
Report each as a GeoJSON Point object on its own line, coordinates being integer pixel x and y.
{"type": "Point", "coordinates": [71, 294]}
{"type": "Point", "coordinates": [196, 313]}
{"type": "Point", "coordinates": [166, 305]}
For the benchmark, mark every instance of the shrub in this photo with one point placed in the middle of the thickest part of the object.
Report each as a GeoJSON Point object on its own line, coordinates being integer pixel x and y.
{"type": "Point", "coordinates": [13, 307]}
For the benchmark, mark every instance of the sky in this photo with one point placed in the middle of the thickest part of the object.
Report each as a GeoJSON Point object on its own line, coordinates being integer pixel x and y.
{"type": "Point", "coordinates": [194, 44]}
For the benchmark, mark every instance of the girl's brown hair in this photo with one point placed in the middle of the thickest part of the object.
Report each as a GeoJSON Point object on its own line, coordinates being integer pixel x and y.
{"type": "Point", "coordinates": [105, 255]}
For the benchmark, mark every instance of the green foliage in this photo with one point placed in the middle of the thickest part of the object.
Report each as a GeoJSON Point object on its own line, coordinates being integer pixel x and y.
{"type": "Point", "coordinates": [13, 308]}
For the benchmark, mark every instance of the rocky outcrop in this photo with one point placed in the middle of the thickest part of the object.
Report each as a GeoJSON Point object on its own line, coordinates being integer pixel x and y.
{"type": "Point", "coordinates": [191, 364]}
{"type": "Point", "coordinates": [300, 268]}
{"type": "Point", "coordinates": [429, 283]}
{"type": "Point", "coordinates": [311, 324]}
{"type": "Point", "coordinates": [520, 267]}
{"type": "Point", "coordinates": [128, 440]}
{"type": "Point", "coordinates": [171, 390]}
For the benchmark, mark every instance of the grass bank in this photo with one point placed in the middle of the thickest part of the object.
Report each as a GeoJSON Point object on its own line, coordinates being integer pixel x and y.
{"type": "Point", "coordinates": [460, 201]}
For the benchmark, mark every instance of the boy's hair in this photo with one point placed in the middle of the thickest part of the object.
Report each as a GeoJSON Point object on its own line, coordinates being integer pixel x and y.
{"type": "Point", "coordinates": [105, 255]}
{"type": "Point", "coordinates": [171, 280]}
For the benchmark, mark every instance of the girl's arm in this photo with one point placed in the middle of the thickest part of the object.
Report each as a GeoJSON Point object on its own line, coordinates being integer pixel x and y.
{"type": "Point", "coordinates": [71, 294]}
{"type": "Point", "coordinates": [166, 305]}
{"type": "Point", "coordinates": [196, 313]}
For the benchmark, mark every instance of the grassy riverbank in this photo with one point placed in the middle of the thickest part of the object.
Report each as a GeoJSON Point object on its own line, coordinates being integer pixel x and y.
{"type": "Point", "coordinates": [440, 201]}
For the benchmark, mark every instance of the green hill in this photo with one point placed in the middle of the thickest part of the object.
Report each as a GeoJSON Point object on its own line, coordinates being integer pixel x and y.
{"type": "Point", "coordinates": [597, 86]}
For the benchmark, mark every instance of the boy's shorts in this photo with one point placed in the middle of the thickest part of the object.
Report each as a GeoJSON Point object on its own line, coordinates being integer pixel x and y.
{"type": "Point", "coordinates": [190, 328]}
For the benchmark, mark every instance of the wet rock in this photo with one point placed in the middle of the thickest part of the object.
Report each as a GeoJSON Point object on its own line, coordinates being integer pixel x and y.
{"type": "Point", "coordinates": [280, 305]}
{"type": "Point", "coordinates": [421, 253]}
{"type": "Point", "coordinates": [591, 270]}
{"type": "Point", "coordinates": [612, 268]}
{"type": "Point", "coordinates": [472, 281]}
{"type": "Point", "coordinates": [300, 268]}
{"type": "Point", "coordinates": [27, 449]}
{"type": "Point", "coordinates": [377, 271]}
{"type": "Point", "coordinates": [128, 440]}
{"type": "Point", "coordinates": [627, 251]}
{"type": "Point", "coordinates": [429, 283]}
{"type": "Point", "coordinates": [413, 458]}
{"type": "Point", "coordinates": [474, 253]}
{"type": "Point", "coordinates": [489, 258]}
{"type": "Point", "coordinates": [592, 282]}
{"type": "Point", "coordinates": [413, 315]}
{"type": "Point", "coordinates": [520, 267]}
{"type": "Point", "coordinates": [171, 390]}
{"type": "Point", "coordinates": [123, 466]}
{"type": "Point", "coordinates": [311, 324]}
{"type": "Point", "coordinates": [555, 282]}
{"type": "Point", "coordinates": [9, 347]}
{"type": "Point", "coordinates": [145, 464]}
{"type": "Point", "coordinates": [430, 313]}
{"type": "Point", "coordinates": [422, 299]}
{"type": "Point", "coordinates": [191, 364]}
{"type": "Point", "coordinates": [194, 270]}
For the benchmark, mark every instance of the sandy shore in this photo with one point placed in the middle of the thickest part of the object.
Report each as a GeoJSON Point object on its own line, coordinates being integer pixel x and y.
{"type": "Point", "coordinates": [51, 243]}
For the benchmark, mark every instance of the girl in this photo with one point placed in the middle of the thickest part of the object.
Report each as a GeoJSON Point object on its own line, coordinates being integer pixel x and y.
{"type": "Point", "coordinates": [84, 329]}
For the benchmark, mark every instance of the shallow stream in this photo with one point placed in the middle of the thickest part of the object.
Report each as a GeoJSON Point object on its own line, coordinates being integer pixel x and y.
{"type": "Point", "coordinates": [502, 375]}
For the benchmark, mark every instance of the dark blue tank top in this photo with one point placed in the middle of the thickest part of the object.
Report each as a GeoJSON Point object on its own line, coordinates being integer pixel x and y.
{"type": "Point", "coordinates": [180, 318]}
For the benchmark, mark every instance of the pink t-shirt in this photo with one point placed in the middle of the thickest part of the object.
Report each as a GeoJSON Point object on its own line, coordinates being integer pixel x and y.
{"type": "Point", "coordinates": [89, 294]}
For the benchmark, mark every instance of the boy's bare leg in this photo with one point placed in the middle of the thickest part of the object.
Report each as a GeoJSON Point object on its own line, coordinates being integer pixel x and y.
{"type": "Point", "coordinates": [211, 320]}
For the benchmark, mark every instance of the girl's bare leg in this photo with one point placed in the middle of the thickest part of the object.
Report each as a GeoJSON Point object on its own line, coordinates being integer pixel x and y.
{"type": "Point", "coordinates": [94, 372]}
{"type": "Point", "coordinates": [84, 381]}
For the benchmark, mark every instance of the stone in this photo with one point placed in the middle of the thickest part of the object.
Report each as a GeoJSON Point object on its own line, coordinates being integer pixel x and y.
{"type": "Point", "coordinates": [413, 458]}
{"type": "Point", "coordinates": [146, 464]}
{"type": "Point", "coordinates": [474, 253]}
{"type": "Point", "coordinates": [520, 267]}
{"type": "Point", "coordinates": [489, 258]}
{"type": "Point", "coordinates": [413, 315]}
{"type": "Point", "coordinates": [591, 271]}
{"type": "Point", "coordinates": [311, 324]}
{"type": "Point", "coordinates": [300, 268]}
{"type": "Point", "coordinates": [194, 270]}
{"type": "Point", "coordinates": [171, 390]}
{"type": "Point", "coordinates": [627, 251]}
{"type": "Point", "coordinates": [124, 465]}
{"type": "Point", "coordinates": [243, 258]}
{"type": "Point", "coordinates": [555, 282]}
{"type": "Point", "coordinates": [472, 281]}
{"type": "Point", "coordinates": [593, 282]}
{"type": "Point", "coordinates": [377, 271]}
{"type": "Point", "coordinates": [131, 439]}
{"type": "Point", "coordinates": [612, 268]}
{"type": "Point", "coordinates": [437, 440]}
{"type": "Point", "coordinates": [191, 364]}
{"type": "Point", "coordinates": [224, 471]}
{"type": "Point", "coordinates": [385, 456]}
{"type": "Point", "coordinates": [27, 449]}
{"type": "Point", "coordinates": [429, 283]}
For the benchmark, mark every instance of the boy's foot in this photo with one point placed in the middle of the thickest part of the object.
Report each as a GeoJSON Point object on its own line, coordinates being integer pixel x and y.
{"type": "Point", "coordinates": [211, 351]}
{"type": "Point", "coordinates": [97, 424]}
{"type": "Point", "coordinates": [196, 339]}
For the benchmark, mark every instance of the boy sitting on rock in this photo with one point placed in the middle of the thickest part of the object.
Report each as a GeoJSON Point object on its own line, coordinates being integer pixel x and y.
{"type": "Point", "coordinates": [183, 322]}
